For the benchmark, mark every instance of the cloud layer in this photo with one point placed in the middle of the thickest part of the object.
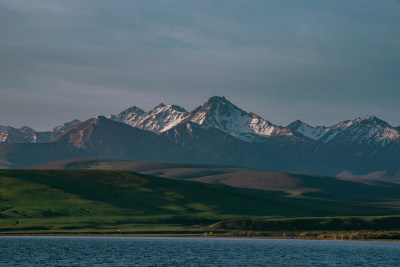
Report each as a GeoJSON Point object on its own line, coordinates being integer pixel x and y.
{"type": "Point", "coordinates": [320, 61]}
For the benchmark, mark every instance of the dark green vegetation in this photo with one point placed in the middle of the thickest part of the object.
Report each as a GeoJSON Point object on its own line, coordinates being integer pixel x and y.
{"type": "Point", "coordinates": [122, 202]}
{"type": "Point", "coordinates": [342, 228]}
{"type": "Point", "coordinates": [314, 224]}
{"type": "Point", "coordinates": [280, 183]}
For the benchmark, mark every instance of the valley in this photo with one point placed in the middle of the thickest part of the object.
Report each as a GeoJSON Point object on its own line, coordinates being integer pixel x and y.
{"type": "Point", "coordinates": [98, 201]}
{"type": "Point", "coordinates": [217, 169]}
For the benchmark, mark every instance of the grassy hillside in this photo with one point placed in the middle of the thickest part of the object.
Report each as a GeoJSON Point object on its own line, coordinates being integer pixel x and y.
{"type": "Point", "coordinates": [110, 201]}
{"type": "Point", "coordinates": [281, 183]}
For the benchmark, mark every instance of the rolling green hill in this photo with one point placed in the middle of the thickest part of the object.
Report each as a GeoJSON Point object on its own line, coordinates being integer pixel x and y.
{"type": "Point", "coordinates": [93, 201]}
{"type": "Point", "coordinates": [281, 183]}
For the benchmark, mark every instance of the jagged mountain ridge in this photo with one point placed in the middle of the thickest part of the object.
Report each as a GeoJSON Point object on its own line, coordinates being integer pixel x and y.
{"type": "Point", "coordinates": [26, 134]}
{"type": "Point", "coordinates": [26, 130]}
{"type": "Point", "coordinates": [160, 119]}
{"type": "Point", "coordinates": [218, 132]}
{"type": "Point", "coordinates": [129, 116]}
{"type": "Point", "coordinates": [3, 128]}
{"type": "Point", "coordinates": [217, 112]}
{"type": "Point", "coordinates": [220, 113]}
{"type": "Point", "coordinates": [189, 142]}
{"type": "Point", "coordinates": [12, 135]}
{"type": "Point", "coordinates": [102, 137]}
{"type": "Point", "coordinates": [368, 130]}
{"type": "Point", "coordinates": [58, 130]}
{"type": "Point", "coordinates": [23, 129]}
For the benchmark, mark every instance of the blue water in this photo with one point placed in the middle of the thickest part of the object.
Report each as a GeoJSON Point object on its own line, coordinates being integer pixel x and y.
{"type": "Point", "coordinates": [158, 251]}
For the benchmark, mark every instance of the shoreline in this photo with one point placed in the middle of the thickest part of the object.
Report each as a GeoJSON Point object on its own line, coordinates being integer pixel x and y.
{"type": "Point", "coordinates": [280, 237]}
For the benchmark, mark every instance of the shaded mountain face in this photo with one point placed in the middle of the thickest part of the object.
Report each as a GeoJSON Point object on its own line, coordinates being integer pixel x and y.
{"type": "Point", "coordinates": [26, 130]}
{"type": "Point", "coordinates": [58, 130]}
{"type": "Point", "coordinates": [12, 135]}
{"type": "Point", "coordinates": [27, 135]}
{"type": "Point", "coordinates": [217, 113]}
{"type": "Point", "coordinates": [160, 119]}
{"type": "Point", "coordinates": [368, 131]}
{"type": "Point", "coordinates": [128, 116]}
{"type": "Point", "coordinates": [187, 142]}
{"type": "Point", "coordinates": [221, 114]}
{"type": "Point", "coordinates": [218, 132]}
{"type": "Point", "coordinates": [190, 142]}
{"type": "Point", "coordinates": [3, 128]}
{"type": "Point", "coordinates": [105, 138]}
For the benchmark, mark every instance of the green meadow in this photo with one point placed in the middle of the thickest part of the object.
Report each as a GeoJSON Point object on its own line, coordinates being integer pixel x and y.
{"type": "Point", "coordinates": [123, 202]}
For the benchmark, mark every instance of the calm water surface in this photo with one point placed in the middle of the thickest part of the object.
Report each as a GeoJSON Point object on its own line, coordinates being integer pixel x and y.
{"type": "Point", "coordinates": [158, 251]}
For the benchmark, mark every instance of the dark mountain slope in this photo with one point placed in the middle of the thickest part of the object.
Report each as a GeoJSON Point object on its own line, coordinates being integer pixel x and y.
{"type": "Point", "coordinates": [190, 142]}
{"type": "Point", "coordinates": [103, 138]}
{"type": "Point", "coordinates": [24, 155]}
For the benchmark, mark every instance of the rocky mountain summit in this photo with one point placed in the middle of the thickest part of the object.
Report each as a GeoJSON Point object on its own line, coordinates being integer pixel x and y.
{"type": "Point", "coordinates": [368, 130]}
{"type": "Point", "coordinates": [220, 113]}
{"type": "Point", "coordinates": [217, 132]}
{"type": "Point", "coordinates": [25, 134]}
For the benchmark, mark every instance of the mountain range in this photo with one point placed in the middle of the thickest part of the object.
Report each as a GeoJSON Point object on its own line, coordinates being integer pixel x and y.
{"type": "Point", "coordinates": [25, 134]}
{"type": "Point", "coordinates": [217, 132]}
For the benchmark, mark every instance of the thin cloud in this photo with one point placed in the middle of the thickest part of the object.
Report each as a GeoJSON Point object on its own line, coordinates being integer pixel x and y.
{"type": "Point", "coordinates": [272, 57]}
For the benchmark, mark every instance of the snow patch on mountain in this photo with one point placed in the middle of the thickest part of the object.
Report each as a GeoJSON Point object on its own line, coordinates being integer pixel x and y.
{"type": "Point", "coordinates": [163, 117]}
{"type": "Point", "coordinates": [26, 134]}
{"type": "Point", "coordinates": [160, 119]}
{"type": "Point", "coordinates": [314, 133]}
{"type": "Point", "coordinates": [128, 116]}
{"type": "Point", "coordinates": [12, 135]}
{"type": "Point", "coordinates": [366, 130]}
{"type": "Point", "coordinates": [219, 113]}
{"type": "Point", "coordinates": [58, 130]}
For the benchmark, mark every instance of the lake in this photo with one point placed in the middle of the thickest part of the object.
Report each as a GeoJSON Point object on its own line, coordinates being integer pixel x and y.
{"type": "Point", "coordinates": [164, 251]}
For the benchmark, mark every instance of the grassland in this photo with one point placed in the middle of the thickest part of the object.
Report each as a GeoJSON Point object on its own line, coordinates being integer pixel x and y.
{"type": "Point", "coordinates": [281, 184]}
{"type": "Point", "coordinates": [122, 202]}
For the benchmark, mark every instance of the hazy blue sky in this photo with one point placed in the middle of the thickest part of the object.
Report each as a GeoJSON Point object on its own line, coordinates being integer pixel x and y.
{"type": "Point", "coordinates": [321, 61]}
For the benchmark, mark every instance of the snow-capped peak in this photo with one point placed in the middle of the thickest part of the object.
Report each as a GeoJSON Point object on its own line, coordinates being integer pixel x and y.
{"type": "Point", "coordinates": [161, 118]}
{"type": "Point", "coordinates": [12, 135]}
{"type": "Point", "coordinates": [367, 129]}
{"type": "Point", "coordinates": [217, 112]}
{"type": "Point", "coordinates": [162, 108]}
{"type": "Point", "coordinates": [213, 112]}
{"type": "Point", "coordinates": [220, 113]}
{"type": "Point", "coordinates": [128, 116]}
{"type": "Point", "coordinates": [64, 127]}
{"type": "Point", "coordinates": [314, 133]}
{"type": "Point", "coordinates": [371, 120]}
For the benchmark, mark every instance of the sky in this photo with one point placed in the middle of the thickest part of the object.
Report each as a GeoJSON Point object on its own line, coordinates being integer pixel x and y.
{"type": "Point", "coordinates": [320, 61]}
